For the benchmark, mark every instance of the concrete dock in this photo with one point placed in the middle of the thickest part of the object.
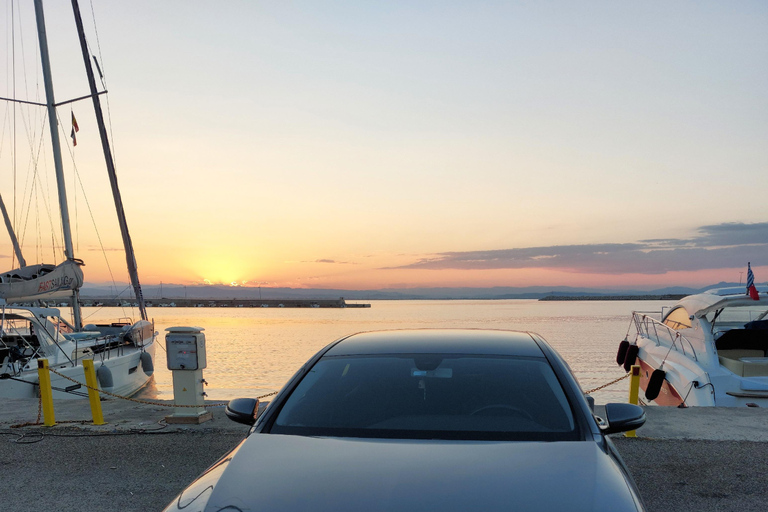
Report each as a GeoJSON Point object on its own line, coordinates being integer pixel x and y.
{"type": "Point", "coordinates": [697, 459]}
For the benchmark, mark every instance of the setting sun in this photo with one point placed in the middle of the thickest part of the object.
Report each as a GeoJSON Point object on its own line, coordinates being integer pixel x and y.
{"type": "Point", "coordinates": [234, 270]}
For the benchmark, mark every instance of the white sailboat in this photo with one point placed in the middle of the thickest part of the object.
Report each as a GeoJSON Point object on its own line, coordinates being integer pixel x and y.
{"type": "Point", "coordinates": [122, 351]}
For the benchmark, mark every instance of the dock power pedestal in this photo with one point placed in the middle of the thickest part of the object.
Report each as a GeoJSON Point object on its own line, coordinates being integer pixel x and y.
{"type": "Point", "coordinates": [185, 349]}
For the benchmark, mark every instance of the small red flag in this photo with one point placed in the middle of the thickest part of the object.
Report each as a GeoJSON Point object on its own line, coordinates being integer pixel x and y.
{"type": "Point", "coordinates": [751, 290]}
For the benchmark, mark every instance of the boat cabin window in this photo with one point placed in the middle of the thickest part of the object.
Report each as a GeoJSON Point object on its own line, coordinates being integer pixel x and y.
{"type": "Point", "coordinates": [59, 324]}
{"type": "Point", "coordinates": [678, 319]}
{"type": "Point", "coordinates": [15, 326]}
{"type": "Point", "coordinates": [741, 315]}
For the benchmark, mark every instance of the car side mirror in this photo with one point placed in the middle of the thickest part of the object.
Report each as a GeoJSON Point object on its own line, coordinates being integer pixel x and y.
{"type": "Point", "coordinates": [623, 417]}
{"type": "Point", "coordinates": [243, 410]}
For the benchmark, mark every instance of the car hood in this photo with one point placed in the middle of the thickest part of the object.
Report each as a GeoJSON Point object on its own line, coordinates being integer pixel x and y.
{"type": "Point", "coordinates": [294, 473]}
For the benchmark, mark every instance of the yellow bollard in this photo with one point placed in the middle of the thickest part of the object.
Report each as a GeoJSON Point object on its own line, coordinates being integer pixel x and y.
{"type": "Point", "coordinates": [46, 394]}
{"type": "Point", "coordinates": [634, 392]}
{"type": "Point", "coordinates": [93, 394]}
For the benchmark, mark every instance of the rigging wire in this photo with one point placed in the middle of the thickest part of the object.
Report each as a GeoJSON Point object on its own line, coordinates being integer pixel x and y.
{"type": "Point", "coordinates": [25, 114]}
{"type": "Point", "coordinates": [103, 78]}
{"type": "Point", "coordinates": [12, 76]}
{"type": "Point", "coordinates": [79, 181]}
{"type": "Point", "coordinates": [13, 53]}
{"type": "Point", "coordinates": [36, 198]}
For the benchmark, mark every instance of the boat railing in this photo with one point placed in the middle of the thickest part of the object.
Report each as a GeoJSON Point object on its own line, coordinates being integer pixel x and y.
{"type": "Point", "coordinates": [652, 329]}
{"type": "Point", "coordinates": [20, 350]}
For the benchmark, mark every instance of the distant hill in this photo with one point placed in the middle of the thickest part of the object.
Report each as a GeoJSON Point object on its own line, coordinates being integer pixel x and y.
{"type": "Point", "coordinates": [171, 291]}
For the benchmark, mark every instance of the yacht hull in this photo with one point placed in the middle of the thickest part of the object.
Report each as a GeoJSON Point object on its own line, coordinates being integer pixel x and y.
{"type": "Point", "coordinates": [668, 395]}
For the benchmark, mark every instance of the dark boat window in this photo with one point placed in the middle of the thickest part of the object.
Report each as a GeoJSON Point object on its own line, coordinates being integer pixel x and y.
{"type": "Point", "coordinates": [678, 319]}
{"type": "Point", "coordinates": [435, 396]}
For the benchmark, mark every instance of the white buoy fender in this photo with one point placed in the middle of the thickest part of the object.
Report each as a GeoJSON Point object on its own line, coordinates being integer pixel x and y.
{"type": "Point", "coordinates": [104, 375]}
{"type": "Point", "coordinates": [146, 363]}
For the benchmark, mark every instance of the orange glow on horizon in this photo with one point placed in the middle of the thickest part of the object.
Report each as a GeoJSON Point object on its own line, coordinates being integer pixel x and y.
{"type": "Point", "coordinates": [219, 264]}
{"type": "Point", "coordinates": [210, 268]}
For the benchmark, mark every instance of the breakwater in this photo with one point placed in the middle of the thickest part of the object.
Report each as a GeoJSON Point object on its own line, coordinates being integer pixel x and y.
{"type": "Point", "coordinates": [613, 297]}
{"type": "Point", "coordinates": [214, 303]}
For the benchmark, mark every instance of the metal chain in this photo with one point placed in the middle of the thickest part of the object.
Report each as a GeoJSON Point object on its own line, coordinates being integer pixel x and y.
{"type": "Point", "coordinates": [606, 385]}
{"type": "Point", "coordinates": [147, 402]}
{"type": "Point", "coordinates": [37, 421]}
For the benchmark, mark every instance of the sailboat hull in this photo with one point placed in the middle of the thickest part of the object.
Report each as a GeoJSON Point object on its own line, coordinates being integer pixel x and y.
{"type": "Point", "coordinates": [123, 354]}
{"type": "Point", "coordinates": [128, 377]}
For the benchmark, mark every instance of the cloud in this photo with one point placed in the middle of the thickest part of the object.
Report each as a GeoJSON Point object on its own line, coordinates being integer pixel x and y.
{"type": "Point", "coordinates": [330, 261]}
{"type": "Point", "coordinates": [726, 245]}
{"type": "Point", "coordinates": [104, 249]}
{"type": "Point", "coordinates": [721, 235]}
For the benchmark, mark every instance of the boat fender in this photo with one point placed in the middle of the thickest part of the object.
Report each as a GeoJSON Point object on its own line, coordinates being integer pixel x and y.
{"type": "Point", "coordinates": [104, 375]}
{"type": "Point", "coordinates": [622, 354]}
{"type": "Point", "coordinates": [629, 360]}
{"type": "Point", "coordinates": [146, 363]}
{"type": "Point", "coordinates": [654, 384]}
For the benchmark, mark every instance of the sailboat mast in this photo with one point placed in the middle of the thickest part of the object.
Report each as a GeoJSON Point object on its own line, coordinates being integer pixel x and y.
{"type": "Point", "coordinates": [12, 234]}
{"type": "Point", "coordinates": [55, 143]}
{"type": "Point", "coordinates": [127, 243]}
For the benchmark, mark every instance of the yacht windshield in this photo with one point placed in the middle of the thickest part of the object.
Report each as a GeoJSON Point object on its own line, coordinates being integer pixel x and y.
{"type": "Point", "coordinates": [739, 315]}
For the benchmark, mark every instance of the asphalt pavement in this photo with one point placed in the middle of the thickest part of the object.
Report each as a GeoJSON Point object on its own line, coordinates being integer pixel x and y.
{"type": "Point", "coordinates": [697, 459]}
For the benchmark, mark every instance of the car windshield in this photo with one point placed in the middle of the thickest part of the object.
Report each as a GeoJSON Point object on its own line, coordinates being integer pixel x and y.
{"type": "Point", "coordinates": [432, 396]}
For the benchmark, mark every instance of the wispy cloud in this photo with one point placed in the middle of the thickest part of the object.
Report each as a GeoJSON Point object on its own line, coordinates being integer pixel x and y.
{"type": "Point", "coordinates": [104, 249]}
{"type": "Point", "coordinates": [726, 245]}
{"type": "Point", "coordinates": [721, 235]}
{"type": "Point", "coordinates": [331, 262]}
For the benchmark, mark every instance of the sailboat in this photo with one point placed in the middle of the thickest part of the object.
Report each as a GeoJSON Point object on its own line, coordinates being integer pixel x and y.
{"type": "Point", "coordinates": [122, 351]}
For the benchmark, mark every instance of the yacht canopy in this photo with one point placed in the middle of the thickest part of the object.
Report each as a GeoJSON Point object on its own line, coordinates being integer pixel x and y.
{"type": "Point", "coordinates": [712, 300]}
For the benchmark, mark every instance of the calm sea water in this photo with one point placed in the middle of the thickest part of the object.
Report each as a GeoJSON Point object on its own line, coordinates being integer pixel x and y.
{"type": "Point", "coordinates": [253, 351]}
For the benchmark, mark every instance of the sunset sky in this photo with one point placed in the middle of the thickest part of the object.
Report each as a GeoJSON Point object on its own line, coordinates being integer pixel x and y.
{"type": "Point", "coordinates": [348, 144]}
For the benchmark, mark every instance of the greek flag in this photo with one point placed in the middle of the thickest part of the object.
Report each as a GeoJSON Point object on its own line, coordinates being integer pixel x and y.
{"type": "Point", "coordinates": [751, 290]}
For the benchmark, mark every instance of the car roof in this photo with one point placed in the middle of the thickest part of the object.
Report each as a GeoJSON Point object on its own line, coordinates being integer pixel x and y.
{"type": "Point", "coordinates": [443, 341]}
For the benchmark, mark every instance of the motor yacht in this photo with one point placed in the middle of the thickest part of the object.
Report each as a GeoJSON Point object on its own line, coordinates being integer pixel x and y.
{"type": "Point", "coordinates": [709, 349]}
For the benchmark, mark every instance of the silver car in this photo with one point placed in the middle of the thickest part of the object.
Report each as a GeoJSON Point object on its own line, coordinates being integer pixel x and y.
{"type": "Point", "coordinates": [424, 420]}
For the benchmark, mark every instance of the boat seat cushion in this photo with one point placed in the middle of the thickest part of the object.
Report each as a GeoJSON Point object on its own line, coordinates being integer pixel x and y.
{"type": "Point", "coordinates": [730, 359]}
{"type": "Point", "coordinates": [738, 353]}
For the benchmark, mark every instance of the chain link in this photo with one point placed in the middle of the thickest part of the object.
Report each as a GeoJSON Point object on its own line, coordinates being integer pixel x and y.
{"type": "Point", "coordinates": [147, 402]}
{"type": "Point", "coordinates": [37, 421]}
{"type": "Point", "coordinates": [606, 385]}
